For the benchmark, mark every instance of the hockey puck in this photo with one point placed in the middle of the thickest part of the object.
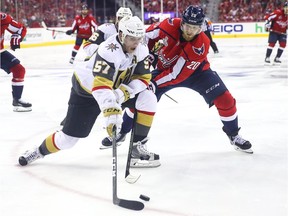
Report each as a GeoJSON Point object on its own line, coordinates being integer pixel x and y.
{"type": "Point", "coordinates": [143, 197]}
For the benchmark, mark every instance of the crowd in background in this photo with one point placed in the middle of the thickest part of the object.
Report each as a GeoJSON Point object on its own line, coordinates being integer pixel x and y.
{"type": "Point", "coordinates": [246, 10]}
{"type": "Point", "coordinates": [61, 13]}
{"type": "Point", "coordinates": [56, 13]}
{"type": "Point", "coordinates": [169, 5]}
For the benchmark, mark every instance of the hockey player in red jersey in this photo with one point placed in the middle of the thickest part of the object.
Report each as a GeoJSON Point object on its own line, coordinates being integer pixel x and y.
{"type": "Point", "coordinates": [10, 64]}
{"type": "Point", "coordinates": [182, 62]}
{"type": "Point", "coordinates": [84, 24]}
{"type": "Point", "coordinates": [276, 24]}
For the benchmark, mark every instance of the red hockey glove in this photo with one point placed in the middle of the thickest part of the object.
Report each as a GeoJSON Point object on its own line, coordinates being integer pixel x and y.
{"type": "Point", "coordinates": [15, 41]}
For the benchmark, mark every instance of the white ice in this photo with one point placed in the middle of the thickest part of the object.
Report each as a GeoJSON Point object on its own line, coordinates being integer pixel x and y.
{"type": "Point", "coordinates": [201, 174]}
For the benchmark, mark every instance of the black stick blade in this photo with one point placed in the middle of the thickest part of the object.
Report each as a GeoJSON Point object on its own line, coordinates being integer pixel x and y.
{"type": "Point", "coordinates": [131, 204]}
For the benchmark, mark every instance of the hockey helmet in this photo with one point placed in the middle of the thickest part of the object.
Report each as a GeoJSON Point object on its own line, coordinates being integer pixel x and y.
{"type": "Point", "coordinates": [193, 15]}
{"type": "Point", "coordinates": [84, 9]}
{"type": "Point", "coordinates": [122, 11]}
{"type": "Point", "coordinates": [131, 26]}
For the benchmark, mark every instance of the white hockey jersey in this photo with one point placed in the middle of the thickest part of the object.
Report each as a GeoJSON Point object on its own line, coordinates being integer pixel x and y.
{"type": "Point", "coordinates": [110, 67]}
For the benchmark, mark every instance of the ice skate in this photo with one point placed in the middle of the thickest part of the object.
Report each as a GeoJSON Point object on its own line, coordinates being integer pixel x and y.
{"type": "Point", "coordinates": [107, 141]}
{"type": "Point", "coordinates": [30, 156]}
{"type": "Point", "coordinates": [267, 61]}
{"type": "Point", "coordinates": [21, 106]}
{"type": "Point", "coordinates": [142, 158]}
{"type": "Point", "coordinates": [239, 143]}
{"type": "Point", "coordinates": [71, 61]}
{"type": "Point", "coordinates": [277, 61]}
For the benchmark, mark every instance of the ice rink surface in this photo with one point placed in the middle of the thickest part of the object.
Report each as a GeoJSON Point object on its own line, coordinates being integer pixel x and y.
{"type": "Point", "coordinates": [201, 174]}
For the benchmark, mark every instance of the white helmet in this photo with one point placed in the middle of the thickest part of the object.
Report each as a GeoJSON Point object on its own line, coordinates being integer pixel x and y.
{"type": "Point", "coordinates": [122, 11]}
{"type": "Point", "coordinates": [131, 26]}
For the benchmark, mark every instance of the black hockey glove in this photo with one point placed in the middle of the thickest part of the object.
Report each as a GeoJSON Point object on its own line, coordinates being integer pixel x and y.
{"type": "Point", "coordinates": [69, 32]}
{"type": "Point", "coordinates": [152, 86]}
{"type": "Point", "coordinates": [15, 41]}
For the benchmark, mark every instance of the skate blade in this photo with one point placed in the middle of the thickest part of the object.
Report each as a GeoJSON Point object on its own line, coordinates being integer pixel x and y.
{"type": "Point", "coordinates": [22, 109]}
{"type": "Point", "coordinates": [102, 147]}
{"type": "Point", "coordinates": [248, 151]}
{"type": "Point", "coordinates": [276, 64]}
{"type": "Point", "coordinates": [267, 64]}
{"type": "Point", "coordinates": [138, 163]}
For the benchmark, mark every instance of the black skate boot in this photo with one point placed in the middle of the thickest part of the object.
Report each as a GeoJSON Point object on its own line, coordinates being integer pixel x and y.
{"type": "Point", "coordinates": [277, 60]}
{"type": "Point", "coordinates": [107, 141]}
{"type": "Point", "coordinates": [21, 106]}
{"type": "Point", "coordinates": [267, 60]}
{"type": "Point", "coordinates": [141, 157]}
{"type": "Point", "coordinates": [239, 143]}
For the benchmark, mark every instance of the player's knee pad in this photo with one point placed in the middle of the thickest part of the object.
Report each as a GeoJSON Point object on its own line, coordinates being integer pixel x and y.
{"type": "Point", "coordinates": [64, 141]}
{"type": "Point", "coordinates": [282, 44]}
{"type": "Point", "coordinates": [18, 72]}
{"type": "Point", "coordinates": [271, 45]}
{"type": "Point", "coordinates": [146, 101]}
{"type": "Point", "coordinates": [76, 47]}
{"type": "Point", "coordinates": [226, 104]}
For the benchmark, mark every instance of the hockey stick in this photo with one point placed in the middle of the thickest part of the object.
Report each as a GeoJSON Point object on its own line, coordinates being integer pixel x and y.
{"type": "Point", "coordinates": [171, 98]}
{"type": "Point", "coordinates": [61, 31]}
{"type": "Point", "coordinates": [128, 177]}
{"type": "Point", "coordinates": [128, 204]}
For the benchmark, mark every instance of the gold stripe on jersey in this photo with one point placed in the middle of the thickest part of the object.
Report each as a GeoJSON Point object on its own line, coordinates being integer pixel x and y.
{"type": "Point", "coordinates": [50, 144]}
{"type": "Point", "coordinates": [86, 43]}
{"type": "Point", "coordinates": [145, 118]}
{"type": "Point", "coordinates": [144, 77]}
{"type": "Point", "coordinates": [101, 82]}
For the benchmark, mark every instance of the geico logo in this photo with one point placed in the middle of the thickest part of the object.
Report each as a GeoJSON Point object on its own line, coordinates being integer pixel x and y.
{"type": "Point", "coordinates": [227, 28]}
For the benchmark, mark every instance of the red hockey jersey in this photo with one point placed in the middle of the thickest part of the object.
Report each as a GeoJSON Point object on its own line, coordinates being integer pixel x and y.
{"type": "Point", "coordinates": [9, 24]}
{"type": "Point", "coordinates": [84, 26]}
{"type": "Point", "coordinates": [279, 21]}
{"type": "Point", "coordinates": [177, 59]}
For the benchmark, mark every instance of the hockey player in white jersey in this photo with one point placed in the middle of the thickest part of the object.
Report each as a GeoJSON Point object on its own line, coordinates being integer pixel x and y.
{"type": "Point", "coordinates": [119, 78]}
{"type": "Point", "coordinates": [104, 31]}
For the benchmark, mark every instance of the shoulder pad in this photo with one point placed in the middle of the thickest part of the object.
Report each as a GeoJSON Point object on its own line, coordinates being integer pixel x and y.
{"type": "Point", "coordinates": [5, 18]}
